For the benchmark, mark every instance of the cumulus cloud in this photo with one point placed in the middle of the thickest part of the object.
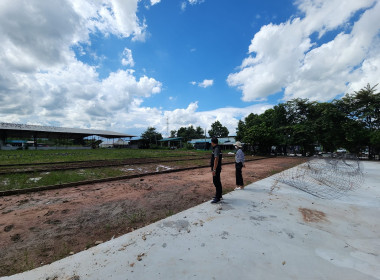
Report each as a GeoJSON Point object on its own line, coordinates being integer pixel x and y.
{"type": "Point", "coordinates": [284, 57]}
{"type": "Point", "coordinates": [37, 35]}
{"type": "Point", "coordinates": [116, 17]}
{"type": "Point", "coordinates": [204, 84]}
{"type": "Point", "coordinates": [42, 81]}
{"type": "Point", "coordinates": [127, 59]}
{"type": "Point", "coordinates": [190, 115]}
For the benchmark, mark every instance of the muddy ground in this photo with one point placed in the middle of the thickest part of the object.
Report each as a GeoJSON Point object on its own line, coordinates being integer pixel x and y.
{"type": "Point", "coordinates": [39, 228]}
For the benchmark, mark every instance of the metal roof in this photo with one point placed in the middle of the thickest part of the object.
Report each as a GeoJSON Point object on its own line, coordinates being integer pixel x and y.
{"type": "Point", "coordinates": [170, 139]}
{"type": "Point", "coordinates": [222, 140]}
{"type": "Point", "coordinates": [25, 130]}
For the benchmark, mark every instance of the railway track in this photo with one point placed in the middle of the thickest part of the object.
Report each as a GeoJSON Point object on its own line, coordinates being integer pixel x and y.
{"type": "Point", "coordinates": [227, 160]}
{"type": "Point", "coordinates": [61, 166]}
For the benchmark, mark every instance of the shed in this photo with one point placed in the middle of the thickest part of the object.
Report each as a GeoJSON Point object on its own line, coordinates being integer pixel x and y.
{"type": "Point", "coordinates": [172, 142]}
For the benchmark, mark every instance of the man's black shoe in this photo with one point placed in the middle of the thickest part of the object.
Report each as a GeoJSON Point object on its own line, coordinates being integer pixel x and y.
{"type": "Point", "coordinates": [215, 200]}
{"type": "Point", "coordinates": [220, 198]}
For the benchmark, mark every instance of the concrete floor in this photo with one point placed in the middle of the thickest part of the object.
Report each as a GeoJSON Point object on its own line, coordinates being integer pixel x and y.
{"type": "Point", "coordinates": [269, 230]}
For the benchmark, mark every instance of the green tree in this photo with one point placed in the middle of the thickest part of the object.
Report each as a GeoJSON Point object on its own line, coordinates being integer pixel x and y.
{"type": "Point", "coordinates": [357, 136]}
{"type": "Point", "coordinates": [173, 133]}
{"type": "Point", "coordinates": [363, 106]}
{"type": "Point", "coordinates": [218, 130]}
{"type": "Point", "coordinates": [300, 116]}
{"type": "Point", "coordinates": [329, 123]}
{"type": "Point", "coordinates": [188, 133]}
{"type": "Point", "coordinates": [375, 141]}
{"type": "Point", "coordinates": [261, 137]}
{"type": "Point", "coordinates": [151, 136]}
{"type": "Point", "coordinates": [199, 132]}
{"type": "Point", "coordinates": [240, 130]}
{"type": "Point", "coordinates": [260, 131]}
{"type": "Point", "coordinates": [352, 123]}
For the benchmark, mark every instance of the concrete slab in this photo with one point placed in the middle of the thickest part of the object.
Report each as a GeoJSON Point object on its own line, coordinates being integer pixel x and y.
{"type": "Point", "coordinates": [267, 231]}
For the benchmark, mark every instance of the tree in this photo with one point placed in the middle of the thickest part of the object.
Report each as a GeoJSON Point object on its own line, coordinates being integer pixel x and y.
{"type": "Point", "coordinates": [151, 136]}
{"type": "Point", "coordinates": [375, 142]}
{"type": "Point", "coordinates": [363, 106]}
{"type": "Point", "coordinates": [262, 131]}
{"type": "Point", "coordinates": [188, 133]}
{"type": "Point", "coordinates": [329, 124]}
{"type": "Point", "coordinates": [352, 123]}
{"type": "Point", "coordinates": [240, 130]}
{"type": "Point", "coordinates": [173, 133]}
{"type": "Point", "coordinates": [199, 132]}
{"type": "Point", "coordinates": [261, 136]}
{"type": "Point", "coordinates": [300, 117]}
{"type": "Point", "coordinates": [218, 130]}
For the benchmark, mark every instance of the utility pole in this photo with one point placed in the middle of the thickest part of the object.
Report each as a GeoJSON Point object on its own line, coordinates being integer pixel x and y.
{"type": "Point", "coordinates": [167, 127]}
{"type": "Point", "coordinates": [205, 140]}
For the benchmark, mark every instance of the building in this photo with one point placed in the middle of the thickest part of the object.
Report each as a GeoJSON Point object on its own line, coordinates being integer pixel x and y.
{"type": "Point", "coordinates": [226, 143]}
{"type": "Point", "coordinates": [35, 132]}
{"type": "Point", "coordinates": [173, 143]}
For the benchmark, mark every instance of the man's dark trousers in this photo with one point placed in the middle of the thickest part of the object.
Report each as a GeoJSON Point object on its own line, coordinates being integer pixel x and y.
{"type": "Point", "coordinates": [217, 184]}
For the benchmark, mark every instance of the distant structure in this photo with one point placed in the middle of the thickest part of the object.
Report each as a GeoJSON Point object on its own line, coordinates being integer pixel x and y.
{"type": "Point", "coordinates": [11, 130]}
{"type": "Point", "coordinates": [226, 143]}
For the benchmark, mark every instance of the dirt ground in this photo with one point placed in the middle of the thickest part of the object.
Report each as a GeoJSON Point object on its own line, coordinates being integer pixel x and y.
{"type": "Point", "coordinates": [39, 228]}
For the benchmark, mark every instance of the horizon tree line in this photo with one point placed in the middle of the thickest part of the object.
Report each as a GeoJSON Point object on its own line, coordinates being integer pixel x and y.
{"type": "Point", "coordinates": [352, 123]}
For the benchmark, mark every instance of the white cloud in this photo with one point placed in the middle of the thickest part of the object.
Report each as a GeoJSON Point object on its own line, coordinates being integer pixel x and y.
{"type": "Point", "coordinates": [284, 57]}
{"type": "Point", "coordinates": [127, 59]}
{"type": "Point", "coordinates": [42, 82]}
{"type": "Point", "coordinates": [154, 2]}
{"type": "Point", "coordinates": [229, 117]}
{"type": "Point", "coordinates": [183, 6]}
{"type": "Point", "coordinates": [116, 17]}
{"type": "Point", "coordinates": [191, 2]}
{"type": "Point", "coordinates": [206, 83]}
{"type": "Point", "coordinates": [37, 36]}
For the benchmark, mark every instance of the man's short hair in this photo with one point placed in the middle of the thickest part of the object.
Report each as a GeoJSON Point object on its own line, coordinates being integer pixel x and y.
{"type": "Point", "coordinates": [214, 140]}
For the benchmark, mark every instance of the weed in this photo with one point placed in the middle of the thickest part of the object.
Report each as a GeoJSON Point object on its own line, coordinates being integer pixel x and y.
{"type": "Point", "coordinates": [63, 252]}
{"type": "Point", "coordinates": [108, 227]}
{"type": "Point", "coordinates": [169, 213]}
{"type": "Point", "coordinates": [274, 171]}
{"type": "Point", "coordinates": [28, 265]}
{"type": "Point", "coordinates": [136, 216]}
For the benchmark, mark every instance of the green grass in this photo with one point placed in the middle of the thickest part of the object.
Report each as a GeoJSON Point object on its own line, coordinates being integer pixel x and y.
{"type": "Point", "coordinates": [38, 179]}
{"type": "Point", "coordinates": [32, 180]}
{"type": "Point", "coordinates": [50, 156]}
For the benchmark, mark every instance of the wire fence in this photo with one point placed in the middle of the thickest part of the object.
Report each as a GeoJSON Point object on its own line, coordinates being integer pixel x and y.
{"type": "Point", "coordinates": [326, 178]}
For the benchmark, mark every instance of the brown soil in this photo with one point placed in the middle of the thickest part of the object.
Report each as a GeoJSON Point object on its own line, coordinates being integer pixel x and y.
{"type": "Point", "coordinates": [312, 216]}
{"type": "Point", "coordinates": [39, 228]}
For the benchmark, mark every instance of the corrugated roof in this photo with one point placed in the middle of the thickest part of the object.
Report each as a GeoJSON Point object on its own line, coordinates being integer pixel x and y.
{"type": "Point", "coordinates": [25, 130]}
{"type": "Point", "coordinates": [221, 140]}
{"type": "Point", "coordinates": [170, 139]}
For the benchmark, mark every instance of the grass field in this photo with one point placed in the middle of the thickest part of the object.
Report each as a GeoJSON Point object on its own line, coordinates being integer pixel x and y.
{"type": "Point", "coordinates": [39, 179]}
{"type": "Point", "coordinates": [50, 156]}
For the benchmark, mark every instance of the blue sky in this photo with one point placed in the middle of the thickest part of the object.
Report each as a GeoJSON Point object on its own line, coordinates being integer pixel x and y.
{"type": "Point", "coordinates": [125, 65]}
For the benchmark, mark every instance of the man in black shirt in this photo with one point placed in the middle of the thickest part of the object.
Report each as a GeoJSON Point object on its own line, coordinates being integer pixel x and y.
{"type": "Point", "coordinates": [216, 168]}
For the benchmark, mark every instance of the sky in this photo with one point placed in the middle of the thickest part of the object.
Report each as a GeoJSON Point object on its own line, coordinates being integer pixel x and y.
{"type": "Point", "coordinates": [126, 65]}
